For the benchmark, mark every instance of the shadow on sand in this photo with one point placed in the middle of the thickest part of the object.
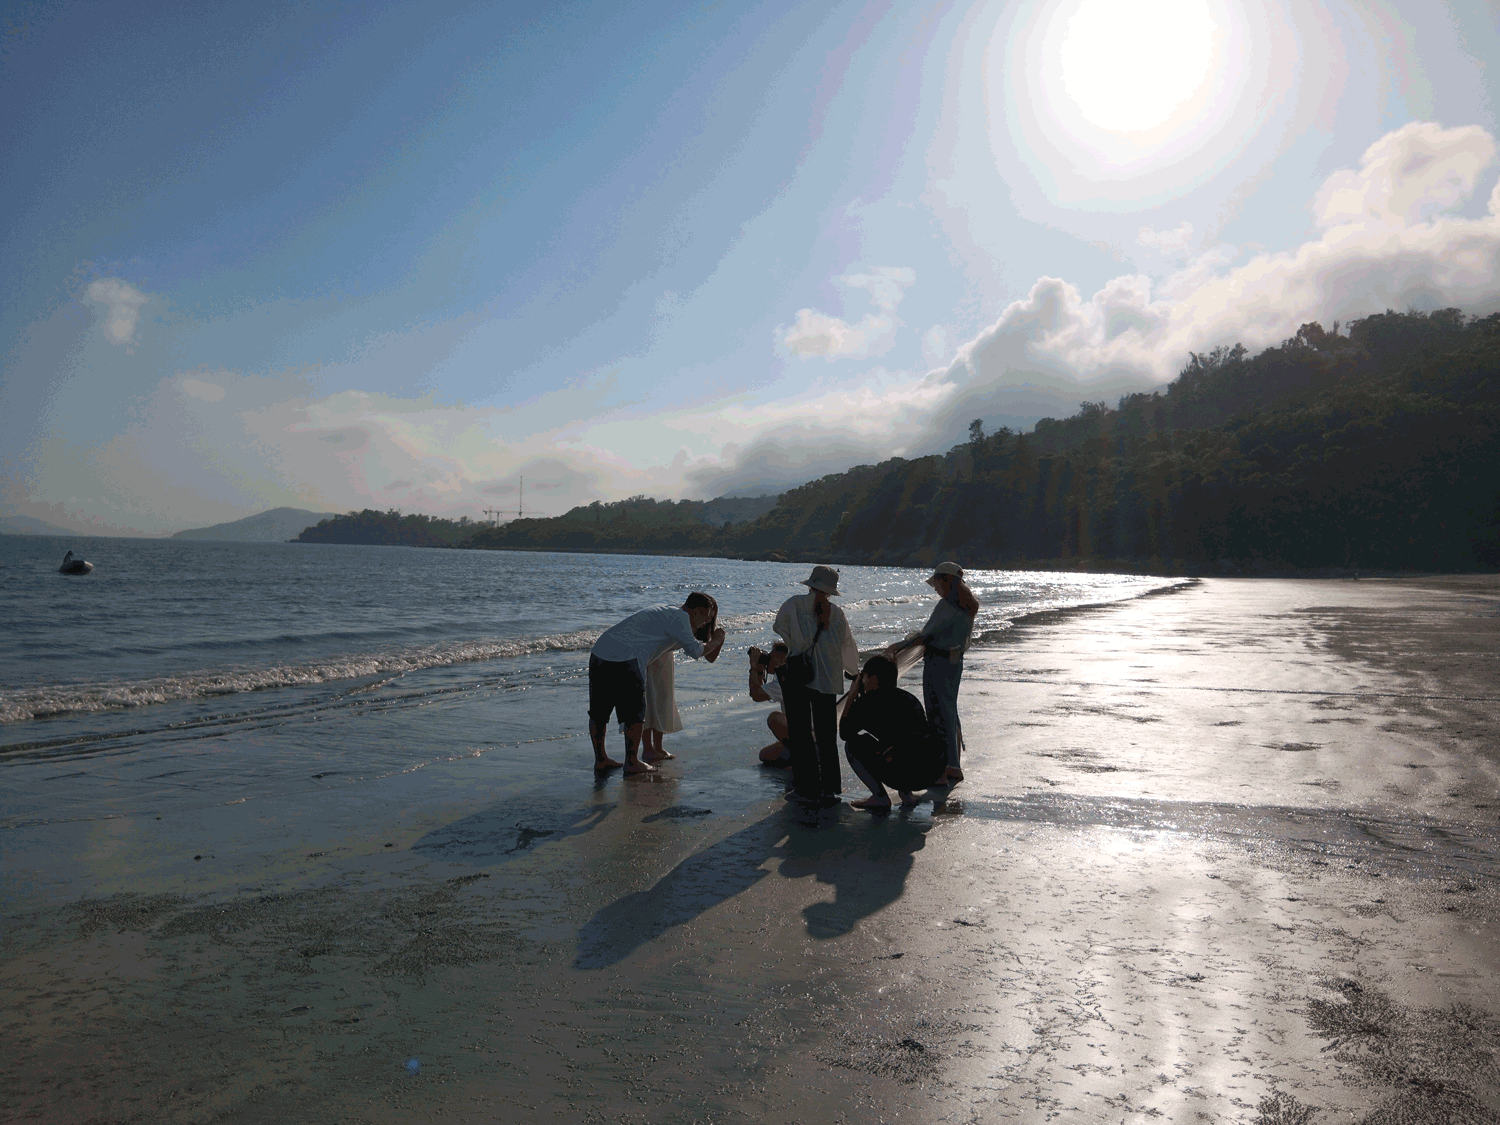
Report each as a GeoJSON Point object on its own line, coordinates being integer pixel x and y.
{"type": "Point", "coordinates": [865, 859]}
{"type": "Point", "coordinates": [511, 828]}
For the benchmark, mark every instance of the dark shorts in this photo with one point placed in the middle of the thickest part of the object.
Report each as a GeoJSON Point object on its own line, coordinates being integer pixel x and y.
{"type": "Point", "coordinates": [616, 685]}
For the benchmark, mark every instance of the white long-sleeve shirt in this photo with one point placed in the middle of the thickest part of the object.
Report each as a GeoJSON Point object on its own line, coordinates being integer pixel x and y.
{"type": "Point", "coordinates": [836, 653]}
{"type": "Point", "coordinates": [646, 635]}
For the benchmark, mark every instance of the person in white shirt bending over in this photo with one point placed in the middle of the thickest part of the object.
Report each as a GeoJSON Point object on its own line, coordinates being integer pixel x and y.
{"type": "Point", "coordinates": [617, 669]}
{"type": "Point", "coordinates": [662, 717]}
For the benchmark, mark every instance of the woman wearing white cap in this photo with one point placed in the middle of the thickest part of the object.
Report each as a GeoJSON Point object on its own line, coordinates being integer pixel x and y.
{"type": "Point", "coordinates": [946, 637]}
{"type": "Point", "coordinates": [817, 632]}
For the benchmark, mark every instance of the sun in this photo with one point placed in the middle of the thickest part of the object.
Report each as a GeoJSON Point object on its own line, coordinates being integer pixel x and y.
{"type": "Point", "coordinates": [1132, 65]}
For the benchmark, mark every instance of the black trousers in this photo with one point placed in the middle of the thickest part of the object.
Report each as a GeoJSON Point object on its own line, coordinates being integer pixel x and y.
{"type": "Point", "coordinates": [904, 766]}
{"type": "Point", "coordinates": [812, 730]}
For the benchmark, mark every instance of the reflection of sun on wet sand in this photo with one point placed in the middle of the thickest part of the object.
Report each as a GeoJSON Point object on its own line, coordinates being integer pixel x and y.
{"type": "Point", "coordinates": [1223, 855]}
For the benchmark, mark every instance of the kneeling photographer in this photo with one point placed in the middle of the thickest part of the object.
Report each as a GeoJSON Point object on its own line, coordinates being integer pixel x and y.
{"type": "Point", "coordinates": [766, 688]}
{"type": "Point", "coordinates": [887, 737]}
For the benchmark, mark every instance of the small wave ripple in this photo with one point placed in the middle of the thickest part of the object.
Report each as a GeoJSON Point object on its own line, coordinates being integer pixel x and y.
{"type": "Point", "coordinates": [54, 700]}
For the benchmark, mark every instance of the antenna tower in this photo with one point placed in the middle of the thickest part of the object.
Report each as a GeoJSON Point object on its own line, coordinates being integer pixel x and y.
{"type": "Point", "coordinates": [521, 498]}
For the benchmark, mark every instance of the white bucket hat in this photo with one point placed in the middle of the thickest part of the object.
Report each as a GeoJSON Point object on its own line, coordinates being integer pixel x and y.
{"type": "Point", "coordinates": [946, 570]}
{"type": "Point", "coordinates": [823, 578]}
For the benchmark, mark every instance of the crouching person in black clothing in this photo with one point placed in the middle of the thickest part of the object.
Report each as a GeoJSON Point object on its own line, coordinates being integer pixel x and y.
{"type": "Point", "coordinates": [887, 737]}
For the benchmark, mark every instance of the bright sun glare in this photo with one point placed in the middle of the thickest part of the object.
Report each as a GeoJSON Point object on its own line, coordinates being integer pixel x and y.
{"type": "Point", "coordinates": [1129, 65]}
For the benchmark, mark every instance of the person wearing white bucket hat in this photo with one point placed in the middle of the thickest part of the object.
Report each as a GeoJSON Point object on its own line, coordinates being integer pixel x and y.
{"type": "Point", "coordinates": [945, 637]}
{"type": "Point", "coordinates": [817, 632]}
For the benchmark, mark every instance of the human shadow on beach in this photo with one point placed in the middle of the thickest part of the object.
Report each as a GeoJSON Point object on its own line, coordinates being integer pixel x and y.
{"type": "Point", "coordinates": [865, 860]}
{"type": "Point", "coordinates": [510, 829]}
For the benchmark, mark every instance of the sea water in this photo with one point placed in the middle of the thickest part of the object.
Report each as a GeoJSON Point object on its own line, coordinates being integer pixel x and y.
{"type": "Point", "coordinates": [190, 674]}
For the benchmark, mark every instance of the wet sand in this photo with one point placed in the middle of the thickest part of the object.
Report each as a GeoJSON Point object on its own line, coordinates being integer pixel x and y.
{"type": "Point", "coordinates": [1226, 854]}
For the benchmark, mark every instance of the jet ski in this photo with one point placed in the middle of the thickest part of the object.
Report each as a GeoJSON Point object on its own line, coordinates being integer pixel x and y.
{"type": "Point", "coordinates": [71, 565]}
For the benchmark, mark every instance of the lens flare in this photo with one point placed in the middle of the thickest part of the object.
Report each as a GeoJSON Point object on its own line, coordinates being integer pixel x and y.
{"type": "Point", "coordinates": [1129, 67]}
{"type": "Point", "coordinates": [1122, 103]}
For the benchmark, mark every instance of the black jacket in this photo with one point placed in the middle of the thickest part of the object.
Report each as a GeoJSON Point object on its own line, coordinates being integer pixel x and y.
{"type": "Point", "coordinates": [891, 715]}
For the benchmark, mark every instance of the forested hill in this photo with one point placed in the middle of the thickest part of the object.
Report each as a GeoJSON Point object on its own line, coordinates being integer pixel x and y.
{"type": "Point", "coordinates": [639, 524]}
{"type": "Point", "coordinates": [391, 529]}
{"type": "Point", "coordinates": [1378, 447]}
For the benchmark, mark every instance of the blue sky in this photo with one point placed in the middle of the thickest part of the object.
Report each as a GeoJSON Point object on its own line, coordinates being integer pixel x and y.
{"type": "Point", "coordinates": [336, 256]}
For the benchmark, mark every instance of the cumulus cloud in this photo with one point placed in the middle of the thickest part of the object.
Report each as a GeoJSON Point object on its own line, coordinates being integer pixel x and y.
{"type": "Point", "coordinates": [357, 448]}
{"type": "Point", "coordinates": [124, 303]}
{"type": "Point", "coordinates": [1388, 239]}
{"type": "Point", "coordinates": [783, 458]}
{"type": "Point", "coordinates": [1407, 176]}
{"type": "Point", "coordinates": [1172, 241]}
{"type": "Point", "coordinates": [818, 334]}
{"type": "Point", "coordinates": [935, 345]}
{"type": "Point", "coordinates": [1386, 243]}
{"type": "Point", "coordinates": [201, 389]}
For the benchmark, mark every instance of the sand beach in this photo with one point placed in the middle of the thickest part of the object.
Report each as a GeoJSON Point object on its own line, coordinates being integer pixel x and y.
{"type": "Point", "coordinates": [1223, 854]}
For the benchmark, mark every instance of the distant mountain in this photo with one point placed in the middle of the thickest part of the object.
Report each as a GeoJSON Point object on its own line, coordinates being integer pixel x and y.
{"type": "Point", "coordinates": [736, 509]}
{"type": "Point", "coordinates": [25, 525]}
{"type": "Point", "coordinates": [639, 524]}
{"type": "Point", "coordinates": [276, 526]}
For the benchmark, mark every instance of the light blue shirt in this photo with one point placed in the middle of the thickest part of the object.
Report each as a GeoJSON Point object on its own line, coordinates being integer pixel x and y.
{"type": "Point", "coordinates": [949, 627]}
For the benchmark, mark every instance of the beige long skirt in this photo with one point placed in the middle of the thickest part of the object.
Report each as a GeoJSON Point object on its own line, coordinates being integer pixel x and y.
{"type": "Point", "coordinates": [661, 696]}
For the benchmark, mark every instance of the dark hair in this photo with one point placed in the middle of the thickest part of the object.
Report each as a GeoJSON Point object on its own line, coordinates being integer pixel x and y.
{"type": "Point", "coordinates": [699, 600]}
{"type": "Point", "coordinates": [883, 669]}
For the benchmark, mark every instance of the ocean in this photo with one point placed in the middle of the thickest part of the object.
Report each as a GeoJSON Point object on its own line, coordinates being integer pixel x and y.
{"type": "Point", "coordinates": [189, 674]}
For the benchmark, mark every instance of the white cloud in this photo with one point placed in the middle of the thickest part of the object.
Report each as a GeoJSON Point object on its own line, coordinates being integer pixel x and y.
{"type": "Point", "coordinates": [198, 388]}
{"type": "Point", "coordinates": [886, 285]}
{"type": "Point", "coordinates": [124, 312]}
{"type": "Point", "coordinates": [818, 334]}
{"type": "Point", "coordinates": [1386, 245]}
{"type": "Point", "coordinates": [877, 403]}
{"type": "Point", "coordinates": [1388, 237]}
{"type": "Point", "coordinates": [1406, 176]}
{"type": "Point", "coordinates": [1172, 241]}
{"type": "Point", "coordinates": [935, 345]}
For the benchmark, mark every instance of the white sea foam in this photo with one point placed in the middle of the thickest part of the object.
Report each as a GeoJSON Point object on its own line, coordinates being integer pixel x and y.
{"type": "Point", "coordinates": [51, 700]}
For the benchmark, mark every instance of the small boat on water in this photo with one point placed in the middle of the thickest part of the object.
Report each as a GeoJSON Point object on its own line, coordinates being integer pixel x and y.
{"type": "Point", "coordinates": [71, 565]}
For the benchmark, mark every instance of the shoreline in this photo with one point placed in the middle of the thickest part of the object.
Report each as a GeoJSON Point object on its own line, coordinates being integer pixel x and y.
{"type": "Point", "coordinates": [1148, 568]}
{"type": "Point", "coordinates": [1152, 568]}
{"type": "Point", "coordinates": [1194, 828]}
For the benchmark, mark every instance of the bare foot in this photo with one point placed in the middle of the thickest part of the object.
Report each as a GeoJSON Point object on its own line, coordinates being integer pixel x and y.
{"type": "Point", "coordinates": [638, 766]}
{"type": "Point", "coordinates": [603, 765]}
{"type": "Point", "coordinates": [954, 775]}
{"type": "Point", "coordinates": [656, 755]}
{"type": "Point", "coordinates": [872, 804]}
{"type": "Point", "coordinates": [908, 799]}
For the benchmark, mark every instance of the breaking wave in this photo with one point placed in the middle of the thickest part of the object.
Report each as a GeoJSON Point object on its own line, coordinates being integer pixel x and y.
{"type": "Point", "coordinates": [20, 705]}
